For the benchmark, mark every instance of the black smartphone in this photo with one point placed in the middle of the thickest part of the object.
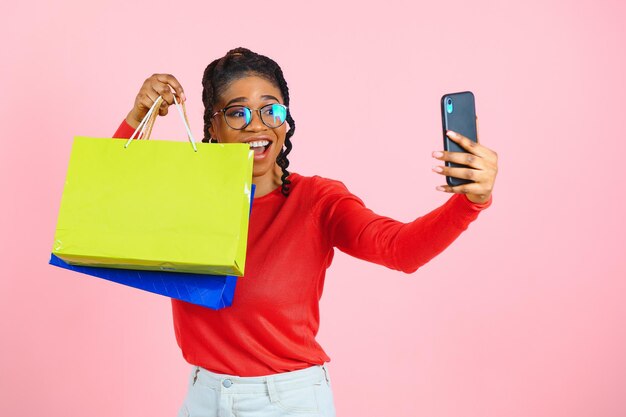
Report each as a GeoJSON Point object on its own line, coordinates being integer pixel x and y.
{"type": "Point", "coordinates": [458, 113]}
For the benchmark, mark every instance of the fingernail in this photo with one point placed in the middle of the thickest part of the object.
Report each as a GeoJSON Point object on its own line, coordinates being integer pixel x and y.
{"type": "Point", "coordinates": [437, 154]}
{"type": "Point", "coordinates": [437, 169]}
{"type": "Point", "coordinates": [452, 134]}
{"type": "Point", "coordinates": [440, 188]}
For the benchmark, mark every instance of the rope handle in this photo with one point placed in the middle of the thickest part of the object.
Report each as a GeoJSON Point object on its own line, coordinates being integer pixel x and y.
{"type": "Point", "coordinates": [144, 130]}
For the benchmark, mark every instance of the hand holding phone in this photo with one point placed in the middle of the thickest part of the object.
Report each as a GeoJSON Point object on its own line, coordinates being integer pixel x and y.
{"type": "Point", "coordinates": [458, 113]}
{"type": "Point", "coordinates": [470, 168]}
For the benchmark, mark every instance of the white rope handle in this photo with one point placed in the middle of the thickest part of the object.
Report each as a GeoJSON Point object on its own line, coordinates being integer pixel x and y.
{"type": "Point", "coordinates": [141, 129]}
{"type": "Point", "coordinates": [142, 126]}
{"type": "Point", "coordinates": [182, 116]}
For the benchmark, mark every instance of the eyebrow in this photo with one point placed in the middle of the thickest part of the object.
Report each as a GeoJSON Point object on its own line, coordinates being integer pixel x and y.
{"type": "Point", "coordinates": [244, 99]}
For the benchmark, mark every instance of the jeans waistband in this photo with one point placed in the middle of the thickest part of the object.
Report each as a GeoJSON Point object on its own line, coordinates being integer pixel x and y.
{"type": "Point", "coordinates": [286, 380]}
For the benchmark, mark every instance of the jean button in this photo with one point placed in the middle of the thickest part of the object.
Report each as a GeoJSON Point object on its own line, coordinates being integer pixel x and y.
{"type": "Point", "coordinates": [227, 383]}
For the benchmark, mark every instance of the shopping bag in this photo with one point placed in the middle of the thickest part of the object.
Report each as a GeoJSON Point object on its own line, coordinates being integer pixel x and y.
{"type": "Point", "coordinates": [156, 205]}
{"type": "Point", "coordinates": [212, 291]}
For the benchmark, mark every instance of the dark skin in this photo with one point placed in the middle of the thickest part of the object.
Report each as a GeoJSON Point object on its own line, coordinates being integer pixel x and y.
{"type": "Point", "coordinates": [481, 162]}
{"type": "Point", "coordinates": [254, 92]}
{"type": "Point", "coordinates": [483, 168]}
{"type": "Point", "coordinates": [165, 85]}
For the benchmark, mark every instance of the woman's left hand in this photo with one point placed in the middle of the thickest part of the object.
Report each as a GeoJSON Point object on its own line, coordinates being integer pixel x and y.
{"type": "Point", "coordinates": [483, 168]}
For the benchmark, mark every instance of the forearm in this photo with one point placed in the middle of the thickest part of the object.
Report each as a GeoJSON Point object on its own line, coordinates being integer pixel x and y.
{"type": "Point", "coordinates": [404, 246]}
{"type": "Point", "coordinates": [421, 240]}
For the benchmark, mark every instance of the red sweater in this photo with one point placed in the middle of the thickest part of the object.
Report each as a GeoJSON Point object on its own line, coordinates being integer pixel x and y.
{"type": "Point", "coordinates": [272, 324]}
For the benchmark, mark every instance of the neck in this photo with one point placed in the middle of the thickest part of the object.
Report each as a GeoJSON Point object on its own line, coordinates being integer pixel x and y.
{"type": "Point", "coordinates": [268, 182]}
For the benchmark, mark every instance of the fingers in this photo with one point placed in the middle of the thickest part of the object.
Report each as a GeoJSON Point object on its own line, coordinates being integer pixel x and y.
{"type": "Point", "coordinates": [164, 91]}
{"type": "Point", "coordinates": [476, 169]}
{"type": "Point", "coordinates": [473, 147]}
{"type": "Point", "coordinates": [475, 190]}
{"type": "Point", "coordinates": [162, 85]}
{"type": "Point", "coordinates": [153, 87]}
{"type": "Point", "coordinates": [466, 143]}
{"type": "Point", "coordinates": [462, 158]}
{"type": "Point", "coordinates": [463, 173]}
{"type": "Point", "coordinates": [170, 80]}
{"type": "Point", "coordinates": [152, 95]}
{"type": "Point", "coordinates": [459, 189]}
{"type": "Point", "coordinates": [143, 102]}
{"type": "Point", "coordinates": [480, 166]}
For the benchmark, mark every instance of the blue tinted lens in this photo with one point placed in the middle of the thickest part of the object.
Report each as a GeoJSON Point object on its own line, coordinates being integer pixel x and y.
{"type": "Point", "coordinates": [247, 115]}
{"type": "Point", "coordinates": [279, 114]}
{"type": "Point", "coordinates": [238, 117]}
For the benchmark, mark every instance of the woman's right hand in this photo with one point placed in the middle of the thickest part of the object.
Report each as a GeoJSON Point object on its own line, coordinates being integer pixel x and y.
{"type": "Point", "coordinates": [155, 86]}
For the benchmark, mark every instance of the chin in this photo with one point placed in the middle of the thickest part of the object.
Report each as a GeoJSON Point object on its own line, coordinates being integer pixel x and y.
{"type": "Point", "coordinates": [261, 170]}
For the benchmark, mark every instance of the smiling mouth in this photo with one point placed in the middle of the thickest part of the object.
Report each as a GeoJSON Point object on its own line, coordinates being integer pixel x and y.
{"type": "Point", "coordinates": [260, 146]}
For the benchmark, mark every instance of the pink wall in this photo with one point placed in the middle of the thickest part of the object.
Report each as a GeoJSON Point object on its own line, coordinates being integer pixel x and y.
{"type": "Point", "coordinates": [523, 316]}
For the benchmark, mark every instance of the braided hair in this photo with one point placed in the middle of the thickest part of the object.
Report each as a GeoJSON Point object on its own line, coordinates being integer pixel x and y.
{"type": "Point", "coordinates": [238, 63]}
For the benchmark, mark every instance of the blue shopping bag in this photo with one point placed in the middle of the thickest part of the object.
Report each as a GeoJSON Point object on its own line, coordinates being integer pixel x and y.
{"type": "Point", "coordinates": [212, 291]}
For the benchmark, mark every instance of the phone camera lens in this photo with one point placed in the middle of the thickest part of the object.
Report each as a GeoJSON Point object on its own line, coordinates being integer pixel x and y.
{"type": "Point", "coordinates": [449, 106]}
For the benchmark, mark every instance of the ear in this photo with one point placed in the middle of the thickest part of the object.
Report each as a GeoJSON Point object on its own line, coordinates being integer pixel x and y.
{"type": "Point", "coordinates": [212, 133]}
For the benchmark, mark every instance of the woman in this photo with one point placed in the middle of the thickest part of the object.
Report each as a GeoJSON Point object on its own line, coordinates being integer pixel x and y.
{"type": "Point", "coordinates": [259, 357]}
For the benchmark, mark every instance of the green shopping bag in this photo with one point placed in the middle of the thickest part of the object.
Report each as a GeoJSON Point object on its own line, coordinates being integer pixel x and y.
{"type": "Point", "coordinates": [156, 205]}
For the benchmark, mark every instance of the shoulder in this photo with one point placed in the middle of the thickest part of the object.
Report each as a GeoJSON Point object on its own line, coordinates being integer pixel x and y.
{"type": "Point", "coordinates": [324, 194]}
{"type": "Point", "coordinates": [316, 184]}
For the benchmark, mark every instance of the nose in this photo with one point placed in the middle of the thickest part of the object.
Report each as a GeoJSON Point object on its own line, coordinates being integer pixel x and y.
{"type": "Point", "coordinates": [256, 124]}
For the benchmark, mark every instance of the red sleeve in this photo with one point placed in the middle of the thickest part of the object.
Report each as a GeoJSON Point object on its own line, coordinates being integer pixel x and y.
{"type": "Point", "coordinates": [125, 131]}
{"type": "Point", "coordinates": [358, 231]}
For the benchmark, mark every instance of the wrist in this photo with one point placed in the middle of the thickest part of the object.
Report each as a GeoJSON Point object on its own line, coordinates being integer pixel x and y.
{"type": "Point", "coordinates": [478, 199]}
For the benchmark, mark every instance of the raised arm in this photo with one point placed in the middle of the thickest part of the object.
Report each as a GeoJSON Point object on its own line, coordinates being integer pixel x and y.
{"type": "Point", "coordinates": [358, 231]}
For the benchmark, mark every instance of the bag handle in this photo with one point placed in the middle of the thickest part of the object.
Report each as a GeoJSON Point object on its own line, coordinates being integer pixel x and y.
{"type": "Point", "coordinates": [144, 130]}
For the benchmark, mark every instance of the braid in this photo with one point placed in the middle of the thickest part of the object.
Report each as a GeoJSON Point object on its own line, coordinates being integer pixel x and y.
{"type": "Point", "coordinates": [208, 99]}
{"type": "Point", "coordinates": [237, 63]}
{"type": "Point", "coordinates": [281, 159]}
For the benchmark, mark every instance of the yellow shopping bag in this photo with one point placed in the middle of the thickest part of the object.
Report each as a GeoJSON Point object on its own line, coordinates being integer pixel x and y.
{"type": "Point", "coordinates": [156, 205]}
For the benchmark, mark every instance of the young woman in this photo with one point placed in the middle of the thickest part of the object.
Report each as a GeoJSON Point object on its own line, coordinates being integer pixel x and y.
{"type": "Point", "coordinates": [260, 357]}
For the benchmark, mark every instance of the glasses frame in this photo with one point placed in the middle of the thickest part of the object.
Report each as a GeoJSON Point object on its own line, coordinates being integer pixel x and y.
{"type": "Point", "coordinates": [223, 111]}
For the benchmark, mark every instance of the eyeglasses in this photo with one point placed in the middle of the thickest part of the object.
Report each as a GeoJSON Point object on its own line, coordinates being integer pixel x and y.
{"type": "Point", "coordinates": [239, 117]}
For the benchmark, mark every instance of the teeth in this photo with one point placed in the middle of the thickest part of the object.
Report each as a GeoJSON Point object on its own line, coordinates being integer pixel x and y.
{"type": "Point", "coordinates": [259, 143]}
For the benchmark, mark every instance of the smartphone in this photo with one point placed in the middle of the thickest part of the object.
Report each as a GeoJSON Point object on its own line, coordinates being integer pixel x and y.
{"type": "Point", "coordinates": [458, 113]}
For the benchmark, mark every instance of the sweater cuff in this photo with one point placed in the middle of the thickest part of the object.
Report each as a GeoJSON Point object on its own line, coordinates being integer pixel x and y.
{"type": "Point", "coordinates": [476, 206]}
{"type": "Point", "coordinates": [125, 131]}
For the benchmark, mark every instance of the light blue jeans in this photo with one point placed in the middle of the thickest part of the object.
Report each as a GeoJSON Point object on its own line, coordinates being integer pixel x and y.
{"type": "Point", "coordinates": [303, 393]}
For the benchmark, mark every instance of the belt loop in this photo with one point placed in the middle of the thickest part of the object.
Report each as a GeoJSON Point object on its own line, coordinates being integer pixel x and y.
{"type": "Point", "coordinates": [195, 376]}
{"type": "Point", "coordinates": [271, 389]}
{"type": "Point", "coordinates": [326, 373]}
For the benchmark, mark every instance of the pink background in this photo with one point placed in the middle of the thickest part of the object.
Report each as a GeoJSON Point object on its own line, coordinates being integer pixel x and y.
{"type": "Point", "coordinates": [523, 316]}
